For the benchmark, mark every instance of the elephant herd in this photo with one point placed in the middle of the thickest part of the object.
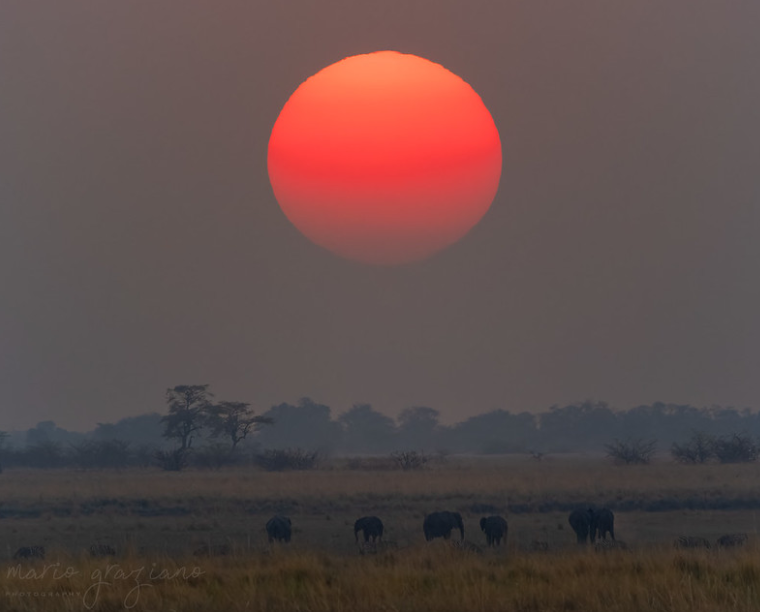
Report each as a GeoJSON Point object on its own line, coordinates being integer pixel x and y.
{"type": "Point", "coordinates": [435, 525]}
{"type": "Point", "coordinates": [586, 524]}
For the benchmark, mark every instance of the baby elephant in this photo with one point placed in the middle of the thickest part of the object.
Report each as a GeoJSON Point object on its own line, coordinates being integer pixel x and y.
{"type": "Point", "coordinates": [371, 526]}
{"type": "Point", "coordinates": [495, 528]}
{"type": "Point", "coordinates": [278, 528]}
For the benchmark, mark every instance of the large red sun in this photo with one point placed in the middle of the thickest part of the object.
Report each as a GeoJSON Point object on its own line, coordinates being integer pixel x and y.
{"type": "Point", "coordinates": [384, 158]}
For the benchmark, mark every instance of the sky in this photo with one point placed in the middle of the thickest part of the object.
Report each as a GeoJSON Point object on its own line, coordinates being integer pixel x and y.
{"type": "Point", "coordinates": [141, 246]}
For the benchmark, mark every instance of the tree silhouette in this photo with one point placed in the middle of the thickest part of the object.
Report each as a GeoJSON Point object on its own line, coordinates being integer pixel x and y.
{"type": "Point", "coordinates": [307, 426]}
{"type": "Point", "coordinates": [497, 431]}
{"type": "Point", "coordinates": [233, 420]}
{"type": "Point", "coordinates": [187, 408]}
{"type": "Point", "coordinates": [418, 426]}
{"type": "Point", "coordinates": [367, 430]}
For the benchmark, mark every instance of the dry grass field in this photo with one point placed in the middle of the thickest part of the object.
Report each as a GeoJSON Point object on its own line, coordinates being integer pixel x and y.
{"type": "Point", "coordinates": [155, 521]}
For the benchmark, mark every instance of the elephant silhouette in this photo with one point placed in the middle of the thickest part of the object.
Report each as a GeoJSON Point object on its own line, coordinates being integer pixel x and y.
{"type": "Point", "coordinates": [278, 528]}
{"type": "Point", "coordinates": [370, 526]}
{"type": "Point", "coordinates": [440, 525]}
{"type": "Point", "coordinates": [583, 524]}
{"type": "Point", "coordinates": [603, 522]}
{"type": "Point", "coordinates": [495, 528]}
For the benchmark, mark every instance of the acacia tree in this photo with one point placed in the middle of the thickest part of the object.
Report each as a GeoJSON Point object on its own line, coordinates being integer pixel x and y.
{"type": "Point", "coordinates": [188, 405]}
{"type": "Point", "coordinates": [233, 420]}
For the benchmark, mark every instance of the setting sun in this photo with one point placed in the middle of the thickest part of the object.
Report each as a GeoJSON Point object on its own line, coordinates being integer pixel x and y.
{"type": "Point", "coordinates": [384, 158]}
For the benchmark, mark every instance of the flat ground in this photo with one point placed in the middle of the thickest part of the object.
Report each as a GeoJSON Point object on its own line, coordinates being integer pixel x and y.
{"type": "Point", "coordinates": [158, 519]}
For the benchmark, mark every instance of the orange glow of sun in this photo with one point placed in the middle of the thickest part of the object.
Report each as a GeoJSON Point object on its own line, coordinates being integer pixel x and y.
{"type": "Point", "coordinates": [384, 158]}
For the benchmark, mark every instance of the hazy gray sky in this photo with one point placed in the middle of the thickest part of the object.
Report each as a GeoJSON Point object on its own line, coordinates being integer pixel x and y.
{"type": "Point", "coordinates": [141, 246]}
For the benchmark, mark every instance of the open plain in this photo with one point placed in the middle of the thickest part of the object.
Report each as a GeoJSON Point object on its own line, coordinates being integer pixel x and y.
{"type": "Point", "coordinates": [195, 540]}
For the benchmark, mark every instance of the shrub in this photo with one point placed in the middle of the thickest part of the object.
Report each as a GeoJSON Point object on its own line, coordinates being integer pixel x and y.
{"type": "Point", "coordinates": [410, 460]}
{"type": "Point", "coordinates": [215, 456]}
{"type": "Point", "coordinates": [144, 455]}
{"type": "Point", "coordinates": [736, 448]}
{"type": "Point", "coordinates": [700, 448]}
{"type": "Point", "coordinates": [45, 454]}
{"type": "Point", "coordinates": [173, 460]}
{"type": "Point", "coordinates": [631, 451]}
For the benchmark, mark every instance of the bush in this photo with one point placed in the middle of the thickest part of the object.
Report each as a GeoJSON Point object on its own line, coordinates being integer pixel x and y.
{"type": "Point", "coordinates": [703, 447]}
{"type": "Point", "coordinates": [631, 451]}
{"type": "Point", "coordinates": [287, 459]}
{"type": "Point", "coordinates": [215, 456]}
{"type": "Point", "coordinates": [410, 460]}
{"type": "Point", "coordinates": [172, 461]}
{"type": "Point", "coordinates": [700, 448]}
{"type": "Point", "coordinates": [45, 454]}
{"type": "Point", "coordinates": [144, 455]}
{"type": "Point", "coordinates": [736, 448]}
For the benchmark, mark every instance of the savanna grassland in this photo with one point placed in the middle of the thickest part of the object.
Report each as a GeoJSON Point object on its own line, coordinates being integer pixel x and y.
{"type": "Point", "coordinates": [157, 520]}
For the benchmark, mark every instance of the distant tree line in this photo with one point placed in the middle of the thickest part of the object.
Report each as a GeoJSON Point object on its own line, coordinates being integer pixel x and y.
{"type": "Point", "coordinates": [197, 430]}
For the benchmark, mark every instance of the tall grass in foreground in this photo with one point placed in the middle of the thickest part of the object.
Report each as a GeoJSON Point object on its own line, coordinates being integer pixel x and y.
{"type": "Point", "coordinates": [435, 577]}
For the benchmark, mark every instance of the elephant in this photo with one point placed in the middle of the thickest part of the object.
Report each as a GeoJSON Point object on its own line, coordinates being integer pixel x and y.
{"type": "Point", "coordinates": [30, 552]}
{"type": "Point", "coordinates": [583, 524]}
{"type": "Point", "coordinates": [371, 526]}
{"type": "Point", "coordinates": [732, 540]}
{"type": "Point", "coordinates": [278, 528]}
{"type": "Point", "coordinates": [440, 524]}
{"type": "Point", "coordinates": [495, 528]}
{"type": "Point", "coordinates": [603, 522]}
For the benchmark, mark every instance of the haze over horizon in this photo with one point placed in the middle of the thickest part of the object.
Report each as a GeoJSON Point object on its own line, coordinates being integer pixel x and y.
{"type": "Point", "coordinates": [141, 246]}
